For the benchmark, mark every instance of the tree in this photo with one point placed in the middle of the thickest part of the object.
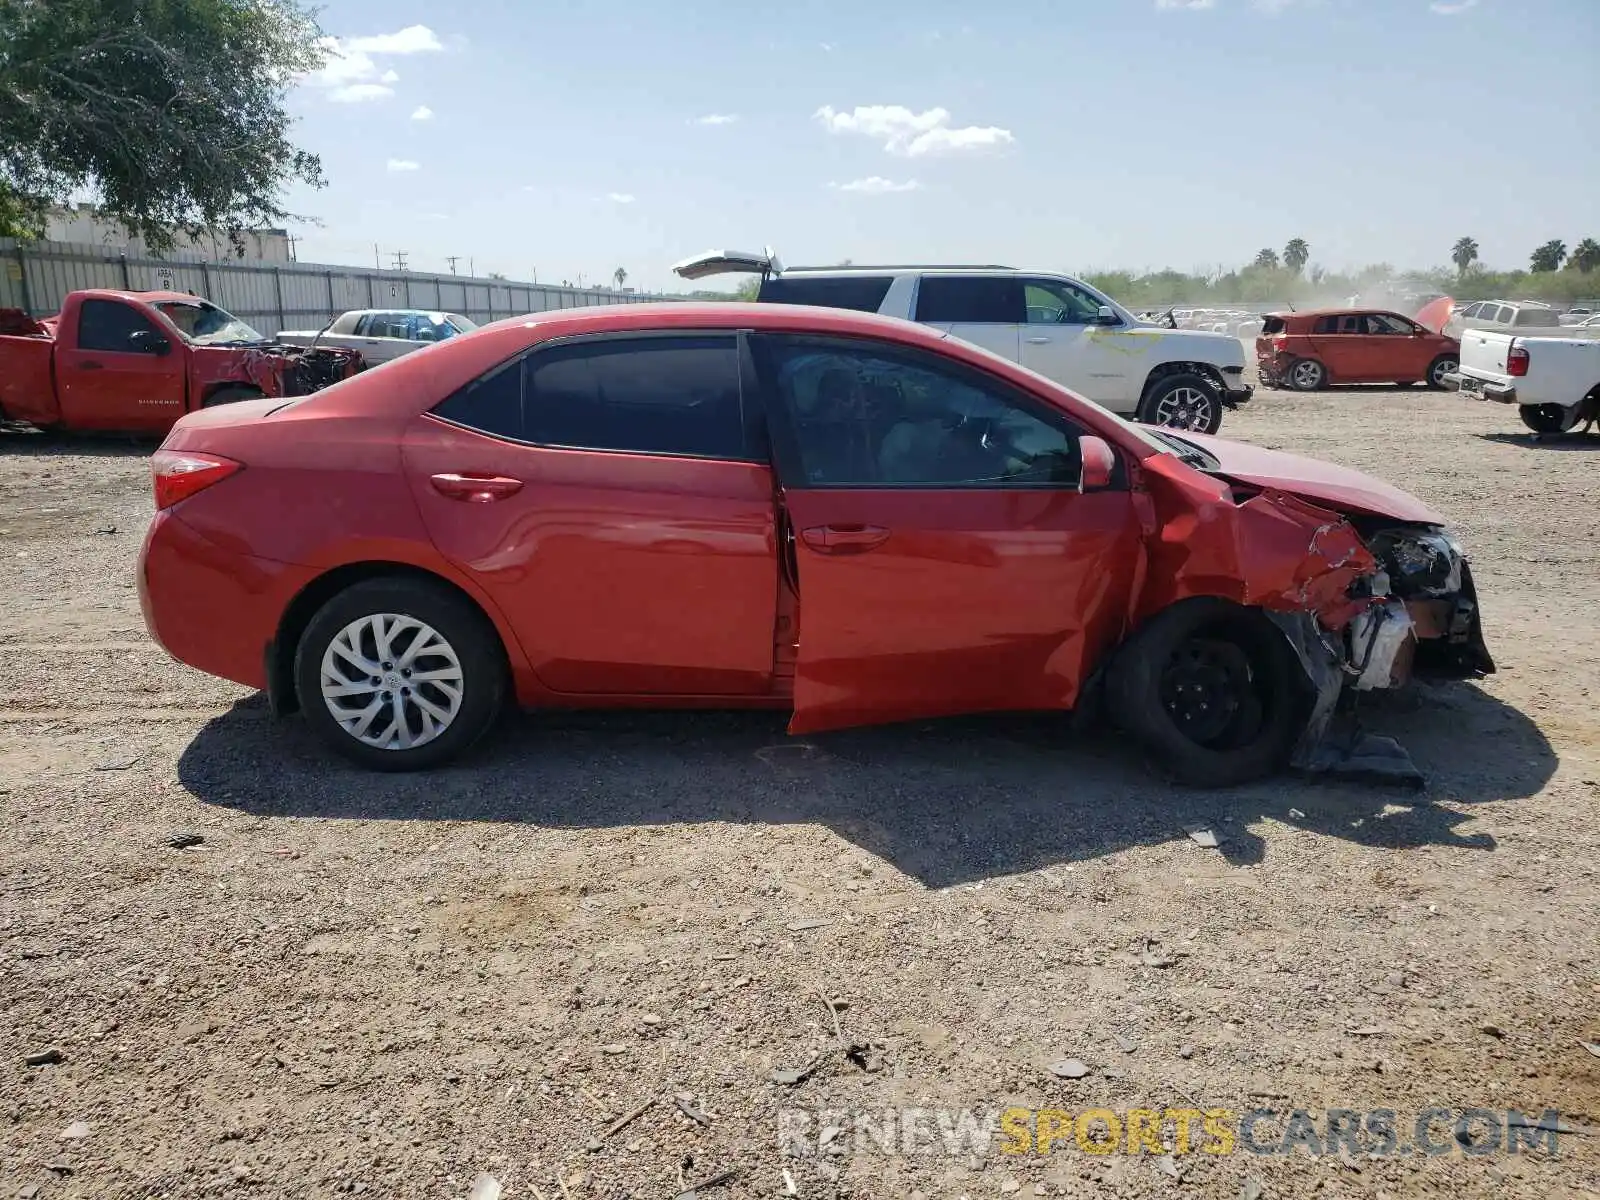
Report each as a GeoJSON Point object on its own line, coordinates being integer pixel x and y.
{"type": "Point", "coordinates": [620, 276]}
{"type": "Point", "coordinates": [1296, 254]}
{"type": "Point", "coordinates": [1464, 253]}
{"type": "Point", "coordinates": [1586, 257]}
{"type": "Point", "coordinates": [170, 114]}
{"type": "Point", "coordinates": [1266, 258]}
{"type": "Point", "coordinates": [1549, 256]}
{"type": "Point", "coordinates": [748, 289]}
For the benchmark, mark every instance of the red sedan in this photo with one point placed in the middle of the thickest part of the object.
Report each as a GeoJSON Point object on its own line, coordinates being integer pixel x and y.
{"type": "Point", "coordinates": [840, 514]}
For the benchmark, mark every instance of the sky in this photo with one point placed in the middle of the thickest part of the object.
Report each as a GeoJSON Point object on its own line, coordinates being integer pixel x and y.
{"type": "Point", "coordinates": [560, 140]}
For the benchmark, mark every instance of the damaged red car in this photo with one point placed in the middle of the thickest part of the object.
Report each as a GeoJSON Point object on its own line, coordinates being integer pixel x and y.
{"type": "Point", "coordinates": [846, 516]}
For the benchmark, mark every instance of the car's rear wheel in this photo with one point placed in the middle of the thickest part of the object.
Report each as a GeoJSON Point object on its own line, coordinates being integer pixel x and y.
{"type": "Point", "coordinates": [1306, 375]}
{"type": "Point", "coordinates": [1550, 418]}
{"type": "Point", "coordinates": [1210, 689]}
{"type": "Point", "coordinates": [1186, 401]}
{"type": "Point", "coordinates": [400, 674]}
{"type": "Point", "coordinates": [1438, 369]}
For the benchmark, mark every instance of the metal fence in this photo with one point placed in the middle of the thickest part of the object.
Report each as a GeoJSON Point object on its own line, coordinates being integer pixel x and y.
{"type": "Point", "coordinates": [36, 277]}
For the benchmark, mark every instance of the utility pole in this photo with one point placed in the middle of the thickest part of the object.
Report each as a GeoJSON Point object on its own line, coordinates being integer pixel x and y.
{"type": "Point", "coordinates": [451, 259]}
{"type": "Point", "coordinates": [399, 260]}
{"type": "Point", "coordinates": [472, 267]}
{"type": "Point", "coordinates": [377, 263]}
{"type": "Point", "coordinates": [294, 244]}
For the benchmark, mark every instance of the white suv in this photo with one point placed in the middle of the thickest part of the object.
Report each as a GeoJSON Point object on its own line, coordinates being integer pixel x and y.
{"type": "Point", "coordinates": [1053, 324]}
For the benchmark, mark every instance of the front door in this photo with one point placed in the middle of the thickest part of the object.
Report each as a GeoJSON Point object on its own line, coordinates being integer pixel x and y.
{"type": "Point", "coordinates": [946, 561]}
{"type": "Point", "coordinates": [1400, 350]}
{"type": "Point", "coordinates": [1064, 341]}
{"type": "Point", "coordinates": [607, 495]}
{"type": "Point", "coordinates": [109, 379]}
{"type": "Point", "coordinates": [985, 310]}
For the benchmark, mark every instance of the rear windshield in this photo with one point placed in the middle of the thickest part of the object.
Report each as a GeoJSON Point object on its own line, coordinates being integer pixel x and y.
{"type": "Point", "coordinates": [1272, 325]}
{"type": "Point", "coordinates": [863, 293]}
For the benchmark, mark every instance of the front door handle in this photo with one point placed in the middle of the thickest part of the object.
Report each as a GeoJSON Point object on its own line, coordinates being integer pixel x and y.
{"type": "Point", "coordinates": [844, 539]}
{"type": "Point", "coordinates": [1038, 341]}
{"type": "Point", "coordinates": [475, 489]}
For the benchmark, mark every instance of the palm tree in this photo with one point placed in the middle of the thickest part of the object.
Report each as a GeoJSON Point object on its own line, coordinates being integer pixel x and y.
{"type": "Point", "coordinates": [1586, 257]}
{"type": "Point", "coordinates": [1267, 258]}
{"type": "Point", "coordinates": [620, 275]}
{"type": "Point", "coordinates": [1296, 254]}
{"type": "Point", "coordinates": [1464, 253]}
{"type": "Point", "coordinates": [1549, 256]}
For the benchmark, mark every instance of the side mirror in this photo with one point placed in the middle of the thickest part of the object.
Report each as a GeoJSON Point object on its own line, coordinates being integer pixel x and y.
{"type": "Point", "coordinates": [146, 341]}
{"type": "Point", "coordinates": [1107, 316]}
{"type": "Point", "coordinates": [1099, 461]}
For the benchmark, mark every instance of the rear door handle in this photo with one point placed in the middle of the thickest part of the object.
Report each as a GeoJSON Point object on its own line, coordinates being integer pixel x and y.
{"type": "Point", "coordinates": [1038, 341]}
{"type": "Point", "coordinates": [91, 366]}
{"type": "Point", "coordinates": [475, 489]}
{"type": "Point", "coordinates": [844, 539]}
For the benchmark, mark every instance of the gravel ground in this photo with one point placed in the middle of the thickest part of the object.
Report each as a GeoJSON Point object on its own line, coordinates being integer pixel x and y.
{"type": "Point", "coordinates": [389, 986]}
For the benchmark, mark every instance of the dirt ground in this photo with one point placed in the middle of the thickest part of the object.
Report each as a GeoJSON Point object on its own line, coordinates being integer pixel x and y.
{"type": "Point", "coordinates": [394, 986]}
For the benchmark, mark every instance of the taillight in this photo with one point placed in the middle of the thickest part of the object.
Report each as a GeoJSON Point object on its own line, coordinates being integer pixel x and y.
{"type": "Point", "coordinates": [1517, 361]}
{"type": "Point", "coordinates": [1280, 342]}
{"type": "Point", "coordinates": [177, 474]}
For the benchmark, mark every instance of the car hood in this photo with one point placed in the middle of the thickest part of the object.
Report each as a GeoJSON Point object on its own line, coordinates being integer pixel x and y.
{"type": "Point", "coordinates": [1323, 483]}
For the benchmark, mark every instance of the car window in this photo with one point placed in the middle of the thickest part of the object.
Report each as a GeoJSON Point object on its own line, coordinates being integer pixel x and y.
{"type": "Point", "coordinates": [1325, 325]}
{"type": "Point", "coordinates": [1494, 312]}
{"type": "Point", "coordinates": [1054, 302]}
{"type": "Point", "coordinates": [869, 415]}
{"type": "Point", "coordinates": [1536, 317]}
{"type": "Point", "coordinates": [1383, 323]}
{"type": "Point", "coordinates": [651, 395]}
{"type": "Point", "coordinates": [1471, 310]}
{"type": "Point", "coordinates": [108, 325]}
{"type": "Point", "coordinates": [460, 323]}
{"type": "Point", "coordinates": [970, 299]}
{"type": "Point", "coordinates": [492, 404]}
{"type": "Point", "coordinates": [863, 293]}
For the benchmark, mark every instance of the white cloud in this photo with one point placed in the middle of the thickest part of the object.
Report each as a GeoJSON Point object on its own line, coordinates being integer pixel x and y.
{"type": "Point", "coordinates": [911, 134]}
{"type": "Point", "coordinates": [876, 185]}
{"type": "Point", "coordinates": [403, 164]}
{"type": "Point", "coordinates": [1274, 7]}
{"type": "Point", "coordinates": [1193, 5]}
{"type": "Point", "coordinates": [423, 113]}
{"type": "Point", "coordinates": [351, 74]}
{"type": "Point", "coordinates": [355, 93]}
{"type": "Point", "coordinates": [1444, 8]}
{"type": "Point", "coordinates": [827, 46]}
{"type": "Point", "coordinates": [413, 39]}
{"type": "Point", "coordinates": [717, 119]}
{"type": "Point", "coordinates": [619, 197]}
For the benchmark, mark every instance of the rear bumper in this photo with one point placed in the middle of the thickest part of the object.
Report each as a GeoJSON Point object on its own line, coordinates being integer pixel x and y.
{"type": "Point", "coordinates": [1481, 389]}
{"type": "Point", "coordinates": [210, 607]}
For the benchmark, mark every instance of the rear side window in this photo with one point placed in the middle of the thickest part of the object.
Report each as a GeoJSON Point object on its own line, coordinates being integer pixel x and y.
{"type": "Point", "coordinates": [970, 299]}
{"type": "Point", "coordinates": [1534, 317]}
{"type": "Point", "coordinates": [647, 395]}
{"type": "Point", "coordinates": [107, 325]}
{"type": "Point", "coordinates": [491, 405]}
{"type": "Point", "coordinates": [863, 293]}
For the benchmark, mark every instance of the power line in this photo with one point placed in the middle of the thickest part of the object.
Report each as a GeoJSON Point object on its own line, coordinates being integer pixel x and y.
{"type": "Point", "coordinates": [399, 260]}
{"type": "Point", "coordinates": [452, 259]}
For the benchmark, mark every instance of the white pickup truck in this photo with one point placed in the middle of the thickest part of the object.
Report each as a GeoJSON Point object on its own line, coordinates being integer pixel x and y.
{"type": "Point", "coordinates": [382, 334]}
{"type": "Point", "coordinates": [1553, 381]}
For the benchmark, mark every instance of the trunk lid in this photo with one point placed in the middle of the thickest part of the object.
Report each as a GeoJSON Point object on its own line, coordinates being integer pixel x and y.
{"type": "Point", "coordinates": [729, 262]}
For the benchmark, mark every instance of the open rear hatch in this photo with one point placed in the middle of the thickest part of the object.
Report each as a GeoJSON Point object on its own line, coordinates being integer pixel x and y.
{"type": "Point", "coordinates": [729, 262]}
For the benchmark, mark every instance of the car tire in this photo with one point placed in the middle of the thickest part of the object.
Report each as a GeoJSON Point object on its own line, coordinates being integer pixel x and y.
{"type": "Point", "coordinates": [1212, 691]}
{"type": "Point", "coordinates": [1550, 418]}
{"type": "Point", "coordinates": [232, 395]}
{"type": "Point", "coordinates": [1306, 375]}
{"type": "Point", "coordinates": [1438, 369]}
{"type": "Point", "coordinates": [1187, 401]}
{"type": "Point", "coordinates": [441, 716]}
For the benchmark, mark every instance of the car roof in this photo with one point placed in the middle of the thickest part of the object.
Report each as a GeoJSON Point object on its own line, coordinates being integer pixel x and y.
{"type": "Point", "coordinates": [856, 269]}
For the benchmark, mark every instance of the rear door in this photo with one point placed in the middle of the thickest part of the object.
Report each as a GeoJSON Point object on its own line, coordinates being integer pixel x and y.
{"type": "Point", "coordinates": [945, 561]}
{"type": "Point", "coordinates": [110, 379]}
{"type": "Point", "coordinates": [611, 498]}
{"type": "Point", "coordinates": [1339, 343]}
{"type": "Point", "coordinates": [986, 310]}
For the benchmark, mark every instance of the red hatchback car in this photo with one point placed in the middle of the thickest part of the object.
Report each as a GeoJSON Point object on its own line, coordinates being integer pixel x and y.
{"type": "Point", "coordinates": [1309, 350]}
{"type": "Point", "coordinates": [772, 506]}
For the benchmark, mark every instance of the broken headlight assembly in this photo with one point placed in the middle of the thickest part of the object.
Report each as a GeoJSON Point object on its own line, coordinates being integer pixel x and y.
{"type": "Point", "coordinates": [1420, 563]}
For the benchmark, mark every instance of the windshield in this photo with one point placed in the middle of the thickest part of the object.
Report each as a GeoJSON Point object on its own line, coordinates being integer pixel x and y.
{"type": "Point", "coordinates": [206, 324]}
{"type": "Point", "coordinates": [461, 323]}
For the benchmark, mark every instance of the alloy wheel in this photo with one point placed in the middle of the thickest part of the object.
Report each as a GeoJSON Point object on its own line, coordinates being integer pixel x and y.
{"type": "Point", "coordinates": [1185, 408]}
{"type": "Point", "coordinates": [1306, 375]}
{"type": "Point", "coordinates": [1445, 366]}
{"type": "Point", "coordinates": [391, 681]}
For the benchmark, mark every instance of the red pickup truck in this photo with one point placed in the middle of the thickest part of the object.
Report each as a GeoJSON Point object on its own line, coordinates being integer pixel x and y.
{"type": "Point", "coordinates": [135, 362]}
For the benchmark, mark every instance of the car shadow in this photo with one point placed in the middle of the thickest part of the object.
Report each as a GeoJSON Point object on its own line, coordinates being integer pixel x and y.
{"type": "Point", "coordinates": [20, 439]}
{"type": "Point", "coordinates": [1546, 441]}
{"type": "Point", "coordinates": [945, 802]}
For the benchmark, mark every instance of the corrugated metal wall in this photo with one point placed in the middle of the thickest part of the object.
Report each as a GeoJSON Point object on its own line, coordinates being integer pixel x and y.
{"type": "Point", "coordinates": [37, 276]}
